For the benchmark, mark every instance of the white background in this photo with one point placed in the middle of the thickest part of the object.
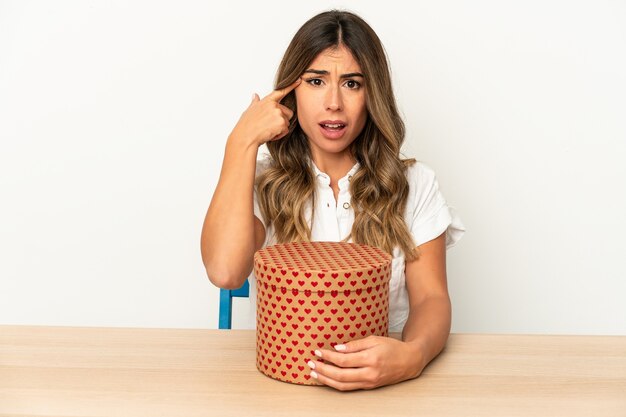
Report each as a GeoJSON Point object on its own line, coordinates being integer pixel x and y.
{"type": "Point", "coordinates": [114, 116]}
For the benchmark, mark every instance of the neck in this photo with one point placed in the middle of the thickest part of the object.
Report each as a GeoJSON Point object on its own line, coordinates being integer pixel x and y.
{"type": "Point", "coordinates": [334, 165]}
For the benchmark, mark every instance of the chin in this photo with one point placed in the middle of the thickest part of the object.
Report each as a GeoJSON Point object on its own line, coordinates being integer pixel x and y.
{"type": "Point", "coordinates": [331, 146]}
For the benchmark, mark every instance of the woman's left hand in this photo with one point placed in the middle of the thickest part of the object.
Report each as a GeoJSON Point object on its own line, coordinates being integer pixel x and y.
{"type": "Point", "coordinates": [368, 363]}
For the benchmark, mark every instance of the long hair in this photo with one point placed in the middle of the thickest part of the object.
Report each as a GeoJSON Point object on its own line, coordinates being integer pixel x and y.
{"type": "Point", "coordinates": [379, 188]}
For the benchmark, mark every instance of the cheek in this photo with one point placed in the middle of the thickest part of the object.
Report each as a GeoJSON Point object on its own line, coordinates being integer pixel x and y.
{"type": "Point", "coordinates": [356, 106]}
{"type": "Point", "coordinates": [360, 114]}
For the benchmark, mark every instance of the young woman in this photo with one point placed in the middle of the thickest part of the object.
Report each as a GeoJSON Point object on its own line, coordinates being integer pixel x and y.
{"type": "Point", "coordinates": [334, 173]}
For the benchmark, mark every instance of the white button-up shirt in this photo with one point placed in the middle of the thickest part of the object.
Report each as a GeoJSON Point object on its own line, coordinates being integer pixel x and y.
{"type": "Point", "coordinates": [427, 215]}
{"type": "Point", "coordinates": [333, 220]}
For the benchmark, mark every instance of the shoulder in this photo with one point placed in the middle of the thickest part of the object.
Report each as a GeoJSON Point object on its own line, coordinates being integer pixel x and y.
{"type": "Point", "coordinates": [419, 175]}
{"type": "Point", "coordinates": [424, 196]}
{"type": "Point", "coordinates": [427, 212]}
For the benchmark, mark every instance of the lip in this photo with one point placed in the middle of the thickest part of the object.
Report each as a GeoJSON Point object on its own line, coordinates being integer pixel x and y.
{"type": "Point", "coordinates": [332, 122]}
{"type": "Point", "coordinates": [331, 133]}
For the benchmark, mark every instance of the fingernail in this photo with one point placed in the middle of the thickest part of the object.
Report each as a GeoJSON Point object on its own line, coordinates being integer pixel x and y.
{"type": "Point", "coordinates": [340, 348]}
{"type": "Point", "coordinates": [318, 353]}
{"type": "Point", "coordinates": [314, 374]}
{"type": "Point", "coordinates": [311, 364]}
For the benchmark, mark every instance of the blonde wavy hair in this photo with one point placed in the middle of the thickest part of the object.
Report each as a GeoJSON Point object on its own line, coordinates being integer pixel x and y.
{"type": "Point", "coordinates": [379, 188]}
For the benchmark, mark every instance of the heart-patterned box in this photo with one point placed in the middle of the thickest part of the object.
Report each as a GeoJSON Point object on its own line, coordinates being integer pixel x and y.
{"type": "Point", "coordinates": [314, 295]}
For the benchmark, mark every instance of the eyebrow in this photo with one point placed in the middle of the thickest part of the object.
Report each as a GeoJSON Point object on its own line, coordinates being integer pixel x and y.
{"type": "Point", "coordinates": [323, 72]}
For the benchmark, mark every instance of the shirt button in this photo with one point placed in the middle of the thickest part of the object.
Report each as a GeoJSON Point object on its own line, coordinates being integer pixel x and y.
{"type": "Point", "coordinates": [346, 205]}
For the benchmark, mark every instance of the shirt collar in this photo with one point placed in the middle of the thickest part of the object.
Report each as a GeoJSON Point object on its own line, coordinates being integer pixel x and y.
{"type": "Point", "coordinates": [323, 177]}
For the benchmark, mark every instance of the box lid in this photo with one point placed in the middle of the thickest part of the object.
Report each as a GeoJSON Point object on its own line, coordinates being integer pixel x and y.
{"type": "Point", "coordinates": [322, 266]}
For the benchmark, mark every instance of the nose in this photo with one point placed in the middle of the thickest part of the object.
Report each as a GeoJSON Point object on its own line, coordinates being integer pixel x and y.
{"type": "Point", "coordinates": [334, 100]}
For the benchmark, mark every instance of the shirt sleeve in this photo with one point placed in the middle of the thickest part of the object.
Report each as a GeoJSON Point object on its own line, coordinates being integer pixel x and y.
{"type": "Point", "coordinates": [429, 214]}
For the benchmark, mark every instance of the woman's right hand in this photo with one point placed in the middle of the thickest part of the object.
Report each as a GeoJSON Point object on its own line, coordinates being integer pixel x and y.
{"type": "Point", "coordinates": [265, 119]}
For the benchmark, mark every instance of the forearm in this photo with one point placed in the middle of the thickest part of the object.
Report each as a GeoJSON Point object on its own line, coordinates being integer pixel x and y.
{"type": "Point", "coordinates": [227, 241]}
{"type": "Point", "coordinates": [427, 328]}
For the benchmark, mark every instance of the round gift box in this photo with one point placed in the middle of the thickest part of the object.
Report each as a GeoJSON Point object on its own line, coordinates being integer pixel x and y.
{"type": "Point", "coordinates": [314, 295]}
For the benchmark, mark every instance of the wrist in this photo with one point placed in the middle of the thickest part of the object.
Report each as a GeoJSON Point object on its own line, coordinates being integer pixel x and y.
{"type": "Point", "coordinates": [243, 138]}
{"type": "Point", "coordinates": [242, 142]}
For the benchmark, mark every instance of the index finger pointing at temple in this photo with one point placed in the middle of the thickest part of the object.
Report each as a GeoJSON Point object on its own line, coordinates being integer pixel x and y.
{"type": "Point", "coordinates": [278, 95]}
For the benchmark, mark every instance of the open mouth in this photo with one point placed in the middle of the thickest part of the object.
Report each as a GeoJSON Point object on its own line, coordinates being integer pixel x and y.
{"type": "Point", "coordinates": [332, 126]}
{"type": "Point", "coordinates": [332, 129]}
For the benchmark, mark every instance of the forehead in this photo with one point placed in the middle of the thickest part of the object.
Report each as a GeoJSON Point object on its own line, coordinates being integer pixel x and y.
{"type": "Point", "coordinates": [336, 57]}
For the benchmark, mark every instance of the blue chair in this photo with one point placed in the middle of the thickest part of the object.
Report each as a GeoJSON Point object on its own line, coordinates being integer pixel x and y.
{"type": "Point", "coordinates": [226, 304]}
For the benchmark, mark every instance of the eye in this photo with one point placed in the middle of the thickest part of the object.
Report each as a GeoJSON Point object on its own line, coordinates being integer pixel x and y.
{"type": "Point", "coordinates": [314, 81]}
{"type": "Point", "coordinates": [353, 85]}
